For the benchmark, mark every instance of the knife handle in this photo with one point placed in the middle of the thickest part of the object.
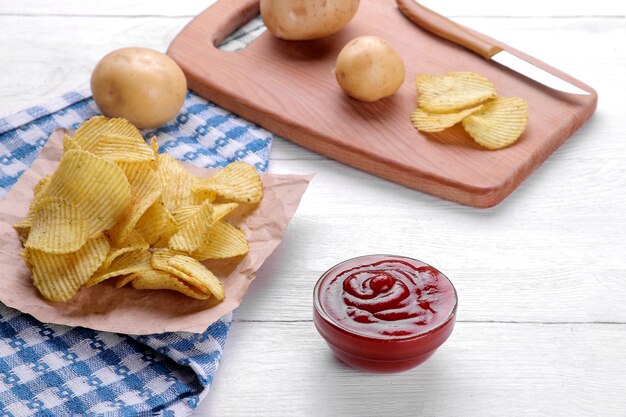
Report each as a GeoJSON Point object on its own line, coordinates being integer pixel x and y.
{"type": "Point", "coordinates": [446, 28]}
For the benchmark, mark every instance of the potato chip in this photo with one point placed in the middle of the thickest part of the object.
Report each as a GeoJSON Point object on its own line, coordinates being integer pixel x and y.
{"type": "Point", "coordinates": [453, 92]}
{"type": "Point", "coordinates": [23, 228]}
{"type": "Point", "coordinates": [160, 280]}
{"type": "Point", "coordinates": [69, 144]}
{"type": "Point", "coordinates": [182, 214]}
{"type": "Point", "coordinates": [200, 196]}
{"type": "Point", "coordinates": [190, 267]}
{"type": "Point", "coordinates": [239, 182]}
{"type": "Point", "coordinates": [120, 148]}
{"type": "Point", "coordinates": [88, 134]}
{"type": "Point", "coordinates": [128, 263]}
{"type": "Point", "coordinates": [145, 189]}
{"type": "Point", "coordinates": [177, 182]}
{"type": "Point", "coordinates": [437, 122]}
{"type": "Point", "coordinates": [133, 243]}
{"type": "Point", "coordinates": [499, 123]}
{"type": "Point", "coordinates": [58, 227]}
{"type": "Point", "coordinates": [154, 145]}
{"type": "Point", "coordinates": [124, 280]}
{"type": "Point", "coordinates": [193, 233]}
{"type": "Point", "coordinates": [58, 277]}
{"type": "Point", "coordinates": [225, 241]}
{"type": "Point", "coordinates": [93, 130]}
{"type": "Point", "coordinates": [160, 261]}
{"type": "Point", "coordinates": [41, 186]}
{"type": "Point", "coordinates": [157, 224]}
{"type": "Point", "coordinates": [98, 188]}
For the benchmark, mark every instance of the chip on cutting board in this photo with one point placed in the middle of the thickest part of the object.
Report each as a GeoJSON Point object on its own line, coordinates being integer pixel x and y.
{"type": "Point", "coordinates": [470, 98]}
{"type": "Point", "coordinates": [116, 208]}
{"type": "Point", "coordinates": [437, 122]}
{"type": "Point", "coordinates": [499, 123]}
{"type": "Point", "coordinates": [453, 92]}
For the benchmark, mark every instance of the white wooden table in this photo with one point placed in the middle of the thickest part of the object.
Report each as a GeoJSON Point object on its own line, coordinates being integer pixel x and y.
{"type": "Point", "coordinates": [541, 278]}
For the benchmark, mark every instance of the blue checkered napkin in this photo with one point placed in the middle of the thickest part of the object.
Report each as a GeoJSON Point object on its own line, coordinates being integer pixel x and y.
{"type": "Point", "coordinates": [53, 370]}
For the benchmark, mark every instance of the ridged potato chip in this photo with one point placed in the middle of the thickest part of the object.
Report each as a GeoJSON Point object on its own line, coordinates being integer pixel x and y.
{"type": "Point", "coordinates": [123, 148]}
{"type": "Point", "coordinates": [41, 185]}
{"type": "Point", "coordinates": [128, 263]}
{"type": "Point", "coordinates": [193, 233]}
{"type": "Point", "coordinates": [87, 134]}
{"type": "Point", "coordinates": [184, 213]}
{"type": "Point", "coordinates": [145, 189]}
{"type": "Point", "coordinates": [70, 144]}
{"type": "Point", "coordinates": [157, 224]}
{"type": "Point", "coordinates": [161, 280]}
{"type": "Point", "coordinates": [189, 267]}
{"type": "Point", "coordinates": [160, 261]}
{"type": "Point", "coordinates": [222, 210]}
{"type": "Point", "coordinates": [93, 130]}
{"type": "Point", "coordinates": [98, 188]}
{"type": "Point", "coordinates": [177, 182]}
{"type": "Point", "coordinates": [59, 277]}
{"type": "Point", "coordinates": [499, 123]}
{"type": "Point", "coordinates": [133, 243]}
{"type": "Point", "coordinates": [154, 146]}
{"type": "Point", "coordinates": [23, 226]}
{"type": "Point", "coordinates": [225, 241]}
{"type": "Point", "coordinates": [437, 122]}
{"type": "Point", "coordinates": [453, 92]}
{"type": "Point", "coordinates": [57, 227]}
{"type": "Point", "coordinates": [239, 182]}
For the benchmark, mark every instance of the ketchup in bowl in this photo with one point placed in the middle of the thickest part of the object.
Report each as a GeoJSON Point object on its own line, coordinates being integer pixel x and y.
{"type": "Point", "coordinates": [383, 313]}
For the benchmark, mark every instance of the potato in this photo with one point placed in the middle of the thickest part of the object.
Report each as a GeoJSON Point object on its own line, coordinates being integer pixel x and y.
{"type": "Point", "coordinates": [368, 69]}
{"type": "Point", "coordinates": [142, 85]}
{"type": "Point", "coordinates": [300, 20]}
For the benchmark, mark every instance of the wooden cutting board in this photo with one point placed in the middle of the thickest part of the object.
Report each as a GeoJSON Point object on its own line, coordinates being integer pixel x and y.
{"type": "Point", "coordinates": [289, 88]}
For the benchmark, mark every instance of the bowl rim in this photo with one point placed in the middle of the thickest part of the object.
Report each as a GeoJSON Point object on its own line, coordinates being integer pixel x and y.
{"type": "Point", "coordinates": [319, 309]}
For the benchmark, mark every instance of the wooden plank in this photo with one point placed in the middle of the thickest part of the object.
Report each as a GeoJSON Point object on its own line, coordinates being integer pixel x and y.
{"type": "Point", "coordinates": [285, 369]}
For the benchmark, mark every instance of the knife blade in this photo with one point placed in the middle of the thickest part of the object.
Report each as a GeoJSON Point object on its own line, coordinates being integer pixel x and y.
{"type": "Point", "coordinates": [447, 29]}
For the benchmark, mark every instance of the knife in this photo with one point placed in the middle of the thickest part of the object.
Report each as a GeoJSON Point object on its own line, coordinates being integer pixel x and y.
{"type": "Point", "coordinates": [447, 29]}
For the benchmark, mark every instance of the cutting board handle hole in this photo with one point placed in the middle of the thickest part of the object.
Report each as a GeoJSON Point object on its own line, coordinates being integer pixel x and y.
{"type": "Point", "coordinates": [243, 36]}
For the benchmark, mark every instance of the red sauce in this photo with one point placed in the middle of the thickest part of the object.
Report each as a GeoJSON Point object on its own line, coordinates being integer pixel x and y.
{"type": "Point", "coordinates": [388, 298]}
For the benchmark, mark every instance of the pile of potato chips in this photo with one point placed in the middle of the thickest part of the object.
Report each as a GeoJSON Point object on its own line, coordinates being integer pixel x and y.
{"type": "Point", "coordinates": [470, 98]}
{"type": "Point", "coordinates": [116, 208]}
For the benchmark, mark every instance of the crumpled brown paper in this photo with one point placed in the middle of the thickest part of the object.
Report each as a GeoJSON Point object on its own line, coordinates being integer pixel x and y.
{"type": "Point", "coordinates": [130, 311]}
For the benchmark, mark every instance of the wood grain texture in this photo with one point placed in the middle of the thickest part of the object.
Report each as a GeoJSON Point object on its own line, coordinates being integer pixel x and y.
{"type": "Point", "coordinates": [512, 370]}
{"type": "Point", "coordinates": [552, 252]}
{"type": "Point", "coordinates": [294, 94]}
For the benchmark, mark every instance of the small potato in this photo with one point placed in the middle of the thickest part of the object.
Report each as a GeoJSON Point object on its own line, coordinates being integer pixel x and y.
{"type": "Point", "coordinates": [299, 20]}
{"type": "Point", "coordinates": [142, 85]}
{"type": "Point", "coordinates": [368, 69]}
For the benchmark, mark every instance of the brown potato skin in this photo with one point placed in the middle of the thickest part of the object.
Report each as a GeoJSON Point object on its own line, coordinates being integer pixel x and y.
{"type": "Point", "coordinates": [300, 20]}
{"type": "Point", "coordinates": [369, 69]}
{"type": "Point", "coordinates": [139, 84]}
